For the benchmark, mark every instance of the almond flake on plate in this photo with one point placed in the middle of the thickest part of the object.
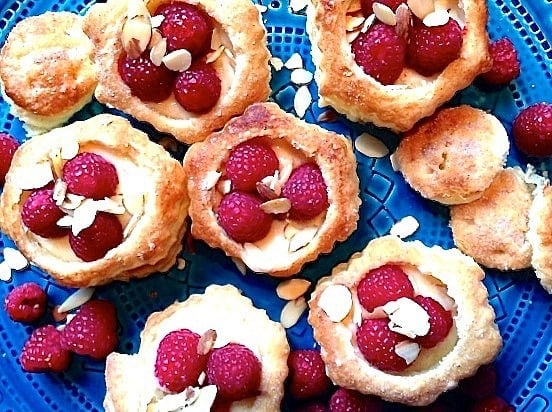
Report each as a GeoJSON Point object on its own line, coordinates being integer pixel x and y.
{"type": "Point", "coordinates": [34, 176]}
{"type": "Point", "coordinates": [298, 5]}
{"type": "Point", "coordinates": [15, 259]}
{"type": "Point", "coordinates": [277, 63]}
{"type": "Point", "coordinates": [405, 227]}
{"type": "Point", "coordinates": [292, 311]}
{"type": "Point", "coordinates": [5, 272]}
{"type": "Point", "coordinates": [179, 60]}
{"type": "Point", "coordinates": [295, 61]}
{"type": "Point", "coordinates": [371, 146]}
{"type": "Point", "coordinates": [76, 299]}
{"type": "Point", "coordinates": [301, 76]}
{"type": "Point", "coordinates": [409, 351]}
{"type": "Point", "coordinates": [291, 289]}
{"type": "Point", "coordinates": [302, 101]}
{"type": "Point", "coordinates": [336, 301]}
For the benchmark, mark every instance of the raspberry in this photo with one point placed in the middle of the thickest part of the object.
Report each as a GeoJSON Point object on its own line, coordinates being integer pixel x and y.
{"type": "Point", "coordinates": [532, 130]}
{"type": "Point", "coordinates": [90, 175]}
{"type": "Point", "coordinates": [92, 243]}
{"type": "Point", "coordinates": [307, 192]}
{"type": "Point", "coordinates": [347, 400]}
{"type": "Point", "coordinates": [241, 216]}
{"type": "Point", "coordinates": [311, 406]}
{"type": "Point", "coordinates": [307, 374]}
{"type": "Point", "coordinates": [249, 163]}
{"type": "Point", "coordinates": [26, 302]}
{"type": "Point", "coordinates": [40, 214]}
{"type": "Point", "coordinates": [93, 330]}
{"type": "Point", "coordinates": [43, 351]}
{"type": "Point", "coordinates": [492, 404]}
{"type": "Point", "coordinates": [198, 89]}
{"type": "Point", "coordinates": [178, 363]}
{"type": "Point", "coordinates": [505, 63]}
{"type": "Point", "coordinates": [148, 82]}
{"type": "Point", "coordinates": [235, 370]}
{"type": "Point", "coordinates": [431, 49]}
{"type": "Point", "coordinates": [8, 146]}
{"type": "Point", "coordinates": [377, 343]}
{"type": "Point", "coordinates": [380, 52]}
{"type": "Point", "coordinates": [185, 26]}
{"type": "Point", "coordinates": [482, 384]}
{"type": "Point", "coordinates": [382, 285]}
{"type": "Point", "coordinates": [440, 322]}
{"type": "Point", "coordinates": [368, 5]}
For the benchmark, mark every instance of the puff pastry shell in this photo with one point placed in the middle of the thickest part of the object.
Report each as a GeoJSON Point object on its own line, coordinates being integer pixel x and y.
{"type": "Point", "coordinates": [540, 237]}
{"type": "Point", "coordinates": [145, 170]}
{"type": "Point", "coordinates": [478, 338]}
{"type": "Point", "coordinates": [233, 317]}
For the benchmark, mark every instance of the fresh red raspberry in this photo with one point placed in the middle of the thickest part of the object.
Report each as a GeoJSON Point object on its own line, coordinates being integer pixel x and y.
{"type": "Point", "coordinates": [178, 363]}
{"type": "Point", "coordinates": [242, 218]}
{"type": "Point", "coordinates": [93, 330]}
{"type": "Point", "coordinates": [311, 406]}
{"type": "Point", "coordinates": [41, 214]}
{"type": "Point", "coordinates": [90, 175]}
{"type": "Point", "coordinates": [43, 351]}
{"type": "Point", "coordinates": [26, 302]}
{"type": "Point", "coordinates": [235, 370]}
{"type": "Point", "coordinates": [431, 49]}
{"type": "Point", "coordinates": [482, 384]}
{"type": "Point", "coordinates": [347, 400]}
{"type": "Point", "coordinates": [492, 404]}
{"type": "Point", "coordinates": [249, 163]}
{"type": "Point", "coordinates": [198, 89]}
{"type": "Point", "coordinates": [382, 285]}
{"type": "Point", "coordinates": [92, 243]}
{"type": "Point", "coordinates": [368, 5]}
{"type": "Point", "coordinates": [505, 63]}
{"type": "Point", "coordinates": [440, 322]}
{"type": "Point", "coordinates": [307, 192]}
{"type": "Point", "coordinates": [185, 26]}
{"type": "Point", "coordinates": [148, 82]}
{"type": "Point", "coordinates": [377, 343]}
{"type": "Point", "coordinates": [307, 374]}
{"type": "Point", "coordinates": [380, 52]}
{"type": "Point", "coordinates": [8, 146]}
{"type": "Point", "coordinates": [532, 130]}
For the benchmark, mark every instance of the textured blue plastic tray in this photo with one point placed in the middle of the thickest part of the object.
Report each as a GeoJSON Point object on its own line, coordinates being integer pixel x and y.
{"type": "Point", "coordinates": [524, 310]}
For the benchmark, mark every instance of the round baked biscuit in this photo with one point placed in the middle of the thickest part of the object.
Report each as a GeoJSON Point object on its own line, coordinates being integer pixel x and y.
{"type": "Point", "coordinates": [344, 85]}
{"type": "Point", "coordinates": [47, 69]}
{"type": "Point", "coordinates": [540, 236]}
{"type": "Point", "coordinates": [493, 229]}
{"type": "Point", "coordinates": [448, 276]}
{"type": "Point", "coordinates": [453, 156]}
{"type": "Point", "coordinates": [130, 379]}
{"type": "Point", "coordinates": [150, 202]}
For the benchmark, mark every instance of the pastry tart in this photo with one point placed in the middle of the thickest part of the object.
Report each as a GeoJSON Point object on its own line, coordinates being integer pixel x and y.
{"type": "Point", "coordinates": [399, 101]}
{"type": "Point", "coordinates": [197, 85]}
{"type": "Point", "coordinates": [404, 321]}
{"type": "Point", "coordinates": [453, 156]}
{"type": "Point", "coordinates": [221, 316]}
{"type": "Point", "coordinates": [539, 235]}
{"type": "Point", "coordinates": [47, 70]}
{"type": "Point", "coordinates": [95, 201]}
{"type": "Point", "coordinates": [272, 190]}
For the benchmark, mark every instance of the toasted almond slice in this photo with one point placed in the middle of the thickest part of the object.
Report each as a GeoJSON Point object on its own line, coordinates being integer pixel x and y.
{"type": "Point", "coordinates": [210, 180]}
{"type": "Point", "coordinates": [302, 101]}
{"type": "Point", "coordinates": [368, 23]}
{"type": "Point", "coordinates": [292, 311]}
{"type": "Point", "coordinates": [403, 19]}
{"type": "Point", "coordinates": [206, 342]}
{"type": "Point", "coordinates": [178, 60]}
{"type": "Point", "coordinates": [69, 149]}
{"type": "Point", "coordinates": [302, 238]}
{"type": "Point", "coordinates": [301, 76]}
{"type": "Point", "coordinates": [408, 350]}
{"type": "Point", "coordinates": [216, 40]}
{"type": "Point", "coordinates": [336, 301]}
{"type": "Point", "coordinates": [83, 216]}
{"type": "Point", "coordinates": [394, 163]}
{"type": "Point", "coordinates": [76, 299]}
{"type": "Point", "coordinates": [276, 206]}
{"type": "Point", "coordinates": [407, 317]}
{"type": "Point", "coordinates": [420, 8]}
{"type": "Point", "coordinates": [436, 18]}
{"type": "Point", "coordinates": [295, 61]}
{"type": "Point", "coordinates": [213, 56]}
{"type": "Point", "coordinates": [384, 13]}
{"type": "Point", "coordinates": [15, 259]}
{"type": "Point", "coordinates": [158, 52]}
{"type": "Point", "coordinates": [5, 272]}
{"type": "Point", "coordinates": [34, 176]}
{"type": "Point", "coordinates": [371, 146]}
{"type": "Point", "coordinates": [298, 5]}
{"type": "Point", "coordinates": [353, 22]}
{"type": "Point", "coordinates": [277, 63]}
{"type": "Point", "coordinates": [405, 227]}
{"type": "Point", "coordinates": [136, 35]}
{"type": "Point", "coordinates": [72, 201]}
{"type": "Point", "coordinates": [265, 191]}
{"type": "Point", "coordinates": [291, 289]}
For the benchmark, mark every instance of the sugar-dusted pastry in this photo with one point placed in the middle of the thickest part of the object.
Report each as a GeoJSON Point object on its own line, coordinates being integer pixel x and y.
{"type": "Point", "coordinates": [185, 67]}
{"type": "Point", "coordinates": [272, 190]}
{"type": "Point", "coordinates": [453, 156]}
{"type": "Point", "coordinates": [540, 237]}
{"type": "Point", "coordinates": [493, 229]}
{"type": "Point", "coordinates": [393, 67]}
{"type": "Point", "coordinates": [404, 321]}
{"type": "Point", "coordinates": [47, 69]}
{"type": "Point", "coordinates": [95, 201]}
{"type": "Point", "coordinates": [196, 335]}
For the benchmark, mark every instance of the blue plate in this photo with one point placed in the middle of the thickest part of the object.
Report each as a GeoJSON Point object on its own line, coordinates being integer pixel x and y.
{"type": "Point", "coordinates": [524, 310]}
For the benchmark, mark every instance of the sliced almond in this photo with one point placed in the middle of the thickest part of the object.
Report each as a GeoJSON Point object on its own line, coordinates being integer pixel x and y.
{"type": "Point", "coordinates": [83, 216]}
{"type": "Point", "coordinates": [394, 162]}
{"type": "Point", "coordinates": [206, 342]}
{"type": "Point", "coordinates": [295, 61]}
{"type": "Point", "coordinates": [276, 206]}
{"type": "Point", "coordinates": [156, 20]}
{"type": "Point", "coordinates": [5, 272]}
{"type": "Point", "coordinates": [65, 221]}
{"type": "Point", "coordinates": [302, 101]}
{"type": "Point", "coordinates": [292, 311]}
{"type": "Point", "coordinates": [178, 60]}
{"type": "Point", "coordinates": [302, 238]}
{"type": "Point", "coordinates": [132, 223]}
{"type": "Point", "coordinates": [292, 288]}
{"type": "Point", "coordinates": [60, 189]}
{"type": "Point", "coordinates": [327, 116]}
{"type": "Point", "coordinates": [368, 23]}
{"type": "Point", "coordinates": [136, 35]}
{"type": "Point", "coordinates": [353, 22]}
{"type": "Point", "coordinates": [134, 203]}
{"type": "Point", "coordinates": [240, 265]}
{"type": "Point", "coordinates": [213, 56]}
{"type": "Point", "coordinates": [34, 176]}
{"type": "Point", "coordinates": [69, 149]}
{"type": "Point", "coordinates": [384, 14]}
{"type": "Point", "coordinates": [265, 190]}
{"type": "Point", "coordinates": [158, 52]}
{"type": "Point", "coordinates": [71, 201]}
{"type": "Point", "coordinates": [224, 186]}
{"type": "Point", "coordinates": [210, 180]}
{"type": "Point", "coordinates": [352, 35]}
{"type": "Point", "coordinates": [405, 227]}
{"type": "Point", "coordinates": [156, 37]}
{"type": "Point", "coordinates": [420, 8]}
{"type": "Point", "coordinates": [336, 301]}
{"type": "Point", "coordinates": [371, 146]}
{"type": "Point", "coordinates": [261, 7]}
{"type": "Point", "coordinates": [76, 299]}
{"type": "Point", "coordinates": [180, 263]}
{"type": "Point", "coordinates": [15, 259]}
{"type": "Point", "coordinates": [403, 20]}
{"type": "Point", "coordinates": [407, 350]}
{"type": "Point", "coordinates": [110, 206]}
{"type": "Point", "coordinates": [301, 76]}
{"type": "Point", "coordinates": [277, 63]}
{"type": "Point", "coordinates": [407, 317]}
{"type": "Point", "coordinates": [436, 18]}
{"type": "Point", "coordinates": [298, 5]}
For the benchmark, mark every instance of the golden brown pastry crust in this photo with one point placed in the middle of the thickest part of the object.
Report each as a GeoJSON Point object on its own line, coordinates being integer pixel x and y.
{"type": "Point", "coordinates": [346, 87]}
{"type": "Point", "coordinates": [540, 236]}
{"type": "Point", "coordinates": [153, 243]}
{"type": "Point", "coordinates": [493, 229]}
{"type": "Point", "coordinates": [330, 151]}
{"type": "Point", "coordinates": [240, 323]}
{"type": "Point", "coordinates": [478, 339]}
{"type": "Point", "coordinates": [47, 70]}
{"type": "Point", "coordinates": [239, 19]}
{"type": "Point", "coordinates": [453, 156]}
